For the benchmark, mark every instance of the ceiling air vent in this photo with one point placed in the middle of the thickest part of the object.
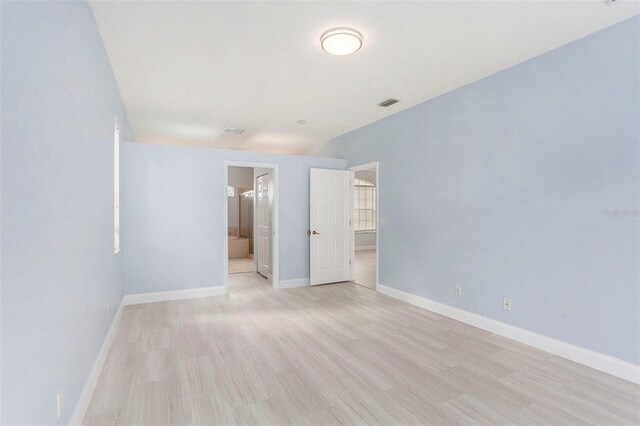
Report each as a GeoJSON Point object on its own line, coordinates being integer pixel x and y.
{"type": "Point", "coordinates": [388, 102]}
{"type": "Point", "coordinates": [232, 130]}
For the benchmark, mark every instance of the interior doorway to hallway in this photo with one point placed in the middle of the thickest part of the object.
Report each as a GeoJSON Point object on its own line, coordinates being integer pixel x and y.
{"type": "Point", "coordinates": [366, 223]}
{"type": "Point", "coordinates": [251, 221]}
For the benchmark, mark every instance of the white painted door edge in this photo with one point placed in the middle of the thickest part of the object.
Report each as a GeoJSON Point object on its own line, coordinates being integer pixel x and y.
{"type": "Point", "coordinates": [605, 363]}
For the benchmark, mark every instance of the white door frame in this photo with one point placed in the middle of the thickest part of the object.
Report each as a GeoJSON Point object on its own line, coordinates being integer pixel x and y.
{"type": "Point", "coordinates": [275, 257]}
{"type": "Point", "coordinates": [368, 166]}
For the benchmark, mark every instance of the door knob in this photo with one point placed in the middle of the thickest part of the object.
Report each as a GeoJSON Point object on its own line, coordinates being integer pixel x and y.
{"type": "Point", "coordinates": [315, 233]}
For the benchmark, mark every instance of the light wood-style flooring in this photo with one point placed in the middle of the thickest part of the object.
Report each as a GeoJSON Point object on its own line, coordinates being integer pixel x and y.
{"type": "Point", "coordinates": [336, 354]}
{"type": "Point", "coordinates": [365, 268]}
{"type": "Point", "coordinates": [239, 265]}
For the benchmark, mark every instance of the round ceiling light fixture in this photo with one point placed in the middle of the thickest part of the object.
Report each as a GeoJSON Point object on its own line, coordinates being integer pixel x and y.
{"type": "Point", "coordinates": [341, 41]}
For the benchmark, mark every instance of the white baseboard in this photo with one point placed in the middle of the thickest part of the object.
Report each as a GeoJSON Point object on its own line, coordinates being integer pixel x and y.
{"type": "Point", "coordinates": [87, 391]}
{"type": "Point", "coordinates": [298, 282]}
{"type": "Point", "coordinates": [162, 296]}
{"type": "Point", "coordinates": [614, 366]}
{"type": "Point", "coordinates": [358, 248]}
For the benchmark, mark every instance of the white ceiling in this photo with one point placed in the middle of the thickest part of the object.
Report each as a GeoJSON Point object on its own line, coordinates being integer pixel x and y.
{"type": "Point", "coordinates": [186, 69]}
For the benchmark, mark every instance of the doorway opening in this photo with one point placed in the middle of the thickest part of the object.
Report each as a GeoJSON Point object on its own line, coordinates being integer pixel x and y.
{"type": "Point", "coordinates": [250, 224]}
{"type": "Point", "coordinates": [365, 225]}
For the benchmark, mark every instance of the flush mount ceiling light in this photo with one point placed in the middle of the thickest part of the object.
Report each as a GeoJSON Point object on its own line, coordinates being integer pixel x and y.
{"type": "Point", "coordinates": [341, 41]}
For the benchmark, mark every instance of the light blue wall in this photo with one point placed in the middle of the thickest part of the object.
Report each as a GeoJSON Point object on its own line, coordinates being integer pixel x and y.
{"type": "Point", "coordinates": [172, 214]}
{"type": "Point", "coordinates": [59, 272]}
{"type": "Point", "coordinates": [503, 187]}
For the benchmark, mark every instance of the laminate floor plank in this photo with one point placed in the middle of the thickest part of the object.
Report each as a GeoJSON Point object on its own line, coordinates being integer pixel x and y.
{"type": "Point", "coordinates": [365, 268]}
{"type": "Point", "coordinates": [335, 354]}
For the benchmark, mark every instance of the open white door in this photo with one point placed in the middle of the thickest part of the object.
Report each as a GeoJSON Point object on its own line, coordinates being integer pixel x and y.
{"type": "Point", "coordinates": [330, 221]}
{"type": "Point", "coordinates": [264, 226]}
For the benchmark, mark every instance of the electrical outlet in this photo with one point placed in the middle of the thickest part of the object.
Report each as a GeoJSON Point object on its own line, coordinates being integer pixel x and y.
{"type": "Point", "coordinates": [506, 303]}
{"type": "Point", "coordinates": [60, 402]}
{"type": "Point", "coordinates": [458, 290]}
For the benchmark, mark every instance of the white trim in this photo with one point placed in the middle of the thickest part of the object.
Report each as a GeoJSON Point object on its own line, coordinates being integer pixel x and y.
{"type": "Point", "coordinates": [367, 166]}
{"type": "Point", "coordinates": [359, 248]}
{"type": "Point", "coordinates": [298, 282]}
{"type": "Point", "coordinates": [614, 366]}
{"type": "Point", "coordinates": [87, 391]}
{"type": "Point", "coordinates": [163, 296]}
{"type": "Point", "coordinates": [275, 258]}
